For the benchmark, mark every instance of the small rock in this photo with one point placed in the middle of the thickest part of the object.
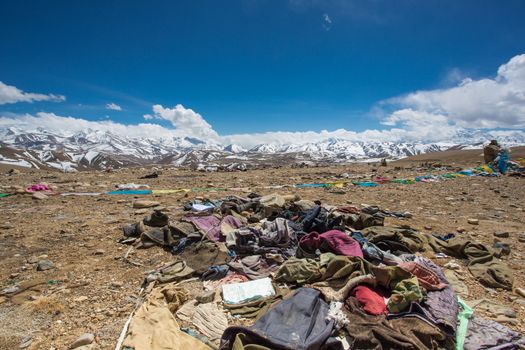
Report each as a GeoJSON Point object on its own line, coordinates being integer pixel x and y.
{"type": "Point", "coordinates": [39, 195]}
{"type": "Point", "coordinates": [139, 204]}
{"type": "Point", "coordinates": [13, 171]}
{"type": "Point", "coordinates": [100, 252]}
{"type": "Point", "coordinates": [521, 238]}
{"type": "Point", "coordinates": [427, 227]}
{"type": "Point", "coordinates": [84, 339]}
{"type": "Point", "coordinates": [141, 211]}
{"type": "Point", "coordinates": [10, 290]}
{"type": "Point", "coordinates": [116, 284]}
{"type": "Point", "coordinates": [407, 214]}
{"type": "Point", "coordinates": [520, 301]}
{"type": "Point", "coordinates": [520, 292]}
{"type": "Point", "coordinates": [505, 319]}
{"type": "Point", "coordinates": [14, 275]}
{"type": "Point", "coordinates": [86, 347]}
{"type": "Point", "coordinates": [6, 226]}
{"type": "Point", "coordinates": [452, 266]}
{"type": "Point", "coordinates": [32, 260]}
{"type": "Point", "coordinates": [206, 297]}
{"type": "Point", "coordinates": [81, 299]}
{"type": "Point", "coordinates": [460, 230]}
{"type": "Point", "coordinates": [26, 341]}
{"type": "Point", "coordinates": [44, 265]}
{"type": "Point", "coordinates": [473, 221]}
{"type": "Point", "coordinates": [504, 249]}
{"type": "Point", "coordinates": [501, 234]}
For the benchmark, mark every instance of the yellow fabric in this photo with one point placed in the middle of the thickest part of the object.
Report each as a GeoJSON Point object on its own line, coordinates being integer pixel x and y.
{"type": "Point", "coordinates": [171, 191]}
{"type": "Point", "coordinates": [487, 169]}
{"type": "Point", "coordinates": [154, 327]}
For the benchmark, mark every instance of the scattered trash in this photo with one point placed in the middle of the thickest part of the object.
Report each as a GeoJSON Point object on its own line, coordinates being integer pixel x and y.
{"type": "Point", "coordinates": [38, 187]}
{"type": "Point", "coordinates": [131, 186]}
{"type": "Point", "coordinates": [236, 293]}
{"type": "Point", "coordinates": [150, 176]}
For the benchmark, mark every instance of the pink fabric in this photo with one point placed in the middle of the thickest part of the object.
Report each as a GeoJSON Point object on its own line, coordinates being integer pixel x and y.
{"type": "Point", "coordinates": [339, 242]}
{"type": "Point", "coordinates": [381, 179]}
{"type": "Point", "coordinates": [38, 187]}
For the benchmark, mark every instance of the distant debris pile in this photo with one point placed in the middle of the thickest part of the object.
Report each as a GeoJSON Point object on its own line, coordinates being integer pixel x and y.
{"type": "Point", "coordinates": [491, 151]}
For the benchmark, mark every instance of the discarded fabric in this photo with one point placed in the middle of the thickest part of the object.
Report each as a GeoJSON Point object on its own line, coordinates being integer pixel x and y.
{"type": "Point", "coordinates": [237, 293]}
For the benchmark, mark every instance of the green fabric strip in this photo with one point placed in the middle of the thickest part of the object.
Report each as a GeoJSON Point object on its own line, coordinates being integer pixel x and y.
{"type": "Point", "coordinates": [463, 316]}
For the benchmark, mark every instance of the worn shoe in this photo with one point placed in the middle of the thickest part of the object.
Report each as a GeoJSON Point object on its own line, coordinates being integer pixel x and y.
{"type": "Point", "coordinates": [157, 219]}
{"type": "Point", "coordinates": [133, 230]}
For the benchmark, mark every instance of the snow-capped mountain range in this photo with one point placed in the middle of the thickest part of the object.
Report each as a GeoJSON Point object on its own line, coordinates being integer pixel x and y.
{"type": "Point", "coordinates": [92, 149]}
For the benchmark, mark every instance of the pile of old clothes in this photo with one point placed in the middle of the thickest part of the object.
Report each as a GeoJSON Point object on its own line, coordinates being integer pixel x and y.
{"type": "Point", "coordinates": [278, 272]}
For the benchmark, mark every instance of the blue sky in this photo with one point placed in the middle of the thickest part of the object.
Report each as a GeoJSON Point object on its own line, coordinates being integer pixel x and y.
{"type": "Point", "coordinates": [251, 66]}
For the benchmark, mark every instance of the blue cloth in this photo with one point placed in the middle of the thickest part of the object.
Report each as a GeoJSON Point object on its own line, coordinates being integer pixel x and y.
{"type": "Point", "coordinates": [311, 185]}
{"type": "Point", "coordinates": [132, 192]}
{"type": "Point", "coordinates": [503, 158]}
{"type": "Point", "coordinates": [467, 172]}
{"type": "Point", "coordinates": [444, 238]}
{"type": "Point", "coordinates": [216, 272]}
{"type": "Point", "coordinates": [365, 184]}
{"type": "Point", "coordinates": [370, 250]}
{"type": "Point", "coordinates": [179, 248]}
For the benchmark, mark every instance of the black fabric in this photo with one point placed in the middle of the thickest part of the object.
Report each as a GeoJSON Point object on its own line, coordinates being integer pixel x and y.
{"type": "Point", "coordinates": [297, 323]}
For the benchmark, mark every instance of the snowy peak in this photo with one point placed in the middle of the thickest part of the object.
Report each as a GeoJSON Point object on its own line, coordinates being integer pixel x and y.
{"type": "Point", "coordinates": [95, 149]}
{"type": "Point", "coordinates": [232, 148]}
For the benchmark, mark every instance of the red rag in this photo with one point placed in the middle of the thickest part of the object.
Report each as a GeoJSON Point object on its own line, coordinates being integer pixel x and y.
{"type": "Point", "coordinates": [370, 300]}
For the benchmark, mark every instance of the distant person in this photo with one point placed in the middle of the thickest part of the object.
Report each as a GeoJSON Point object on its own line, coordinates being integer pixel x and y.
{"type": "Point", "coordinates": [491, 151]}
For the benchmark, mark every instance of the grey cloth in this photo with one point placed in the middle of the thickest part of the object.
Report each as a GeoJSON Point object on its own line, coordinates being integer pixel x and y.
{"type": "Point", "coordinates": [253, 266]}
{"type": "Point", "coordinates": [279, 234]}
{"type": "Point", "coordinates": [488, 334]}
{"type": "Point", "coordinates": [295, 323]}
{"type": "Point", "coordinates": [274, 237]}
{"type": "Point", "coordinates": [441, 304]}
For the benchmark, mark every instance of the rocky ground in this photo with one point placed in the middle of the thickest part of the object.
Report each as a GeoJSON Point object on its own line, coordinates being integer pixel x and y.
{"type": "Point", "coordinates": [87, 286]}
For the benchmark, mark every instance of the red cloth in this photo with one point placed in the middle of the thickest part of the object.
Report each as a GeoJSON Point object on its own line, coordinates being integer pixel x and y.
{"type": "Point", "coordinates": [426, 277]}
{"type": "Point", "coordinates": [338, 242]}
{"type": "Point", "coordinates": [370, 300]}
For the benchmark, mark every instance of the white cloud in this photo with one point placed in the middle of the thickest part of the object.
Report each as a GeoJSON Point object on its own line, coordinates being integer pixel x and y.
{"type": "Point", "coordinates": [442, 115]}
{"type": "Point", "coordinates": [69, 125]}
{"type": "Point", "coordinates": [483, 103]}
{"type": "Point", "coordinates": [410, 126]}
{"type": "Point", "coordinates": [186, 121]}
{"type": "Point", "coordinates": [12, 94]}
{"type": "Point", "coordinates": [113, 106]}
